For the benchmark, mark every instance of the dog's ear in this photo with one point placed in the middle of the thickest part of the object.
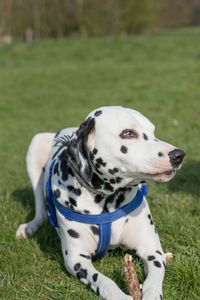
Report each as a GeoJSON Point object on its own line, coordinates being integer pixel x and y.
{"type": "Point", "coordinates": [78, 150]}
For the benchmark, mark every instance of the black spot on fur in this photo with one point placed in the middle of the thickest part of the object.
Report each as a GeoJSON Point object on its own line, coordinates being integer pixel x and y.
{"type": "Point", "coordinates": [67, 203]}
{"type": "Point", "coordinates": [125, 190]}
{"type": "Point", "coordinates": [113, 171]}
{"type": "Point", "coordinates": [70, 187]}
{"type": "Point", "coordinates": [118, 179]}
{"type": "Point", "coordinates": [95, 230]}
{"type": "Point", "coordinates": [86, 211]}
{"type": "Point", "coordinates": [108, 200]}
{"type": "Point", "coordinates": [63, 165]}
{"type": "Point", "coordinates": [98, 198]}
{"type": "Point", "coordinates": [91, 155]}
{"type": "Point", "coordinates": [96, 181]}
{"type": "Point", "coordinates": [161, 297]}
{"type": "Point", "coordinates": [77, 267]}
{"type": "Point", "coordinates": [97, 291]}
{"type": "Point", "coordinates": [108, 187]}
{"type": "Point", "coordinates": [86, 256]}
{"type": "Point", "coordinates": [72, 201]}
{"type": "Point", "coordinates": [82, 274]}
{"type": "Point", "coordinates": [95, 276]}
{"type": "Point", "coordinates": [126, 221]}
{"type": "Point", "coordinates": [157, 251]}
{"type": "Point", "coordinates": [74, 190]}
{"type": "Point", "coordinates": [164, 264]}
{"type": "Point", "coordinates": [150, 218]}
{"type": "Point", "coordinates": [120, 199]}
{"type": "Point", "coordinates": [145, 137]}
{"type": "Point", "coordinates": [112, 181]}
{"type": "Point", "coordinates": [64, 171]}
{"type": "Point", "coordinates": [99, 171]}
{"type": "Point", "coordinates": [123, 149]}
{"type": "Point", "coordinates": [100, 162]}
{"type": "Point", "coordinates": [157, 264]}
{"type": "Point", "coordinates": [72, 208]}
{"type": "Point", "coordinates": [55, 153]}
{"type": "Point", "coordinates": [70, 172]}
{"type": "Point", "coordinates": [66, 252]}
{"type": "Point", "coordinates": [77, 191]}
{"type": "Point", "coordinates": [73, 233]}
{"type": "Point", "coordinates": [55, 171]}
{"type": "Point", "coordinates": [98, 113]}
{"type": "Point", "coordinates": [151, 257]}
{"type": "Point", "coordinates": [57, 193]}
{"type": "Point", "coordinates": [94, 151]}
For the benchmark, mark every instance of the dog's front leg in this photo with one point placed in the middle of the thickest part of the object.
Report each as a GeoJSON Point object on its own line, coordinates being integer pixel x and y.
{"type": "Point", "coordinates": [79, 264]}
{"type": "Point", "coordinates": [154, 265]}
{"type": "Point", "coordinates": [140, 234]}
{"type": "Point", "coordinates": [154, 262]}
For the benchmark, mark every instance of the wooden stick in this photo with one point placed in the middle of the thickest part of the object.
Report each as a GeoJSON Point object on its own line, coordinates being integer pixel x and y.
{"type": "Point", "coordinates": [131, 278]}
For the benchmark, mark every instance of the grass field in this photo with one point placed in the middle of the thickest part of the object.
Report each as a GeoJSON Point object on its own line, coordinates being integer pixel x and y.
{"type": "Point", "coordinates": [52, 84]}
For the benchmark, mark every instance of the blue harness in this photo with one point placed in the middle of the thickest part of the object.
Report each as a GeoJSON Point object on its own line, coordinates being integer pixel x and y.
{"type": "Point", "coordinates": [103, 220]}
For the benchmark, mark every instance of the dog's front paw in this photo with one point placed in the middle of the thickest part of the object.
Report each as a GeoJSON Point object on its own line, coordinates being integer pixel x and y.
{"type": "Point", "coordinates": [24, 231]}
{"type": "Point", "coordinates": [151, 294]}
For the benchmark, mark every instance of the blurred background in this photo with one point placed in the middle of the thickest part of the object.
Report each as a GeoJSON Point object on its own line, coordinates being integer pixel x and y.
{"type": "Point", "coordinates": [59, 60]}
{"type": "Point", "coordinates": [44, 18]}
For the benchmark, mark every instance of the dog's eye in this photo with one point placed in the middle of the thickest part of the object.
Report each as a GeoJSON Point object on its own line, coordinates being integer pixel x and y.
{"type": "Point", "coordinates": [129, 134]}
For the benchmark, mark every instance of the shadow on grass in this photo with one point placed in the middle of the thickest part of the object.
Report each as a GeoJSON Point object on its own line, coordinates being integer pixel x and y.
{"type": "Point", "coordinates": [45, 236]}
{"type": "Point", "coordinates": [188, 179]}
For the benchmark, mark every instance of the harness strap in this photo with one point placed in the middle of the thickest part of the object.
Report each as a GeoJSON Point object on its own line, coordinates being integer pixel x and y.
{"type": "Point", "coordinates": [104, 239]}
{"type": "Point", "coordinates": [103, 220]}
{"type": "Point", "coordinates": [50, 204]}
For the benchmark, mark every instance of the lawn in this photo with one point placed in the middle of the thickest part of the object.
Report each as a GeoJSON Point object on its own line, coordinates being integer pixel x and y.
{"type": "Point", "coordinates": [52, 84]}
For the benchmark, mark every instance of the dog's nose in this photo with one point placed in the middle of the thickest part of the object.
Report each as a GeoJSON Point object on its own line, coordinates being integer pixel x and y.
{"type": "Point", "coordinates": [176, 157]}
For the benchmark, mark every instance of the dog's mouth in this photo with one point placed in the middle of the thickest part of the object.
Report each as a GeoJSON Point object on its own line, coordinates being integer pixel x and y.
{"type": "Point", "coordinates": [169, 172]}
{"type": "Point", "coordinates": [161, 176]}
{"type": "Point", "coordinates": [164, 176]}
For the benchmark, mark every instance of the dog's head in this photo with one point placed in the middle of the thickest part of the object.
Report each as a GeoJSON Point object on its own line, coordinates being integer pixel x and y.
{"type": "Point", "coordinates": [119, 145]}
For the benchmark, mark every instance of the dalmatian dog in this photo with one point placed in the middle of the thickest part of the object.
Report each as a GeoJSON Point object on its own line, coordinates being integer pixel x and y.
{"type": "Point", "coordinates": [98, 169]}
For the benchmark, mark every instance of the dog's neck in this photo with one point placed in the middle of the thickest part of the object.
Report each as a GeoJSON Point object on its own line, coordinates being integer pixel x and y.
{"type": "Point", "coordinates": [100, 184]}
{"type": "Point", "coordinates": [109, 182]}
{"type": "Point", "coordinates": [101, 202]}
{"type": "Point", "coordinates": [86, 200]}
{"type": "Point", "coordinates": [93, 196]}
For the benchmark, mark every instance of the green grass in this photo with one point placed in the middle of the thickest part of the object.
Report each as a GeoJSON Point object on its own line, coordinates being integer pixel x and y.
{"type": "Point", "coordinates": [52, 84]}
